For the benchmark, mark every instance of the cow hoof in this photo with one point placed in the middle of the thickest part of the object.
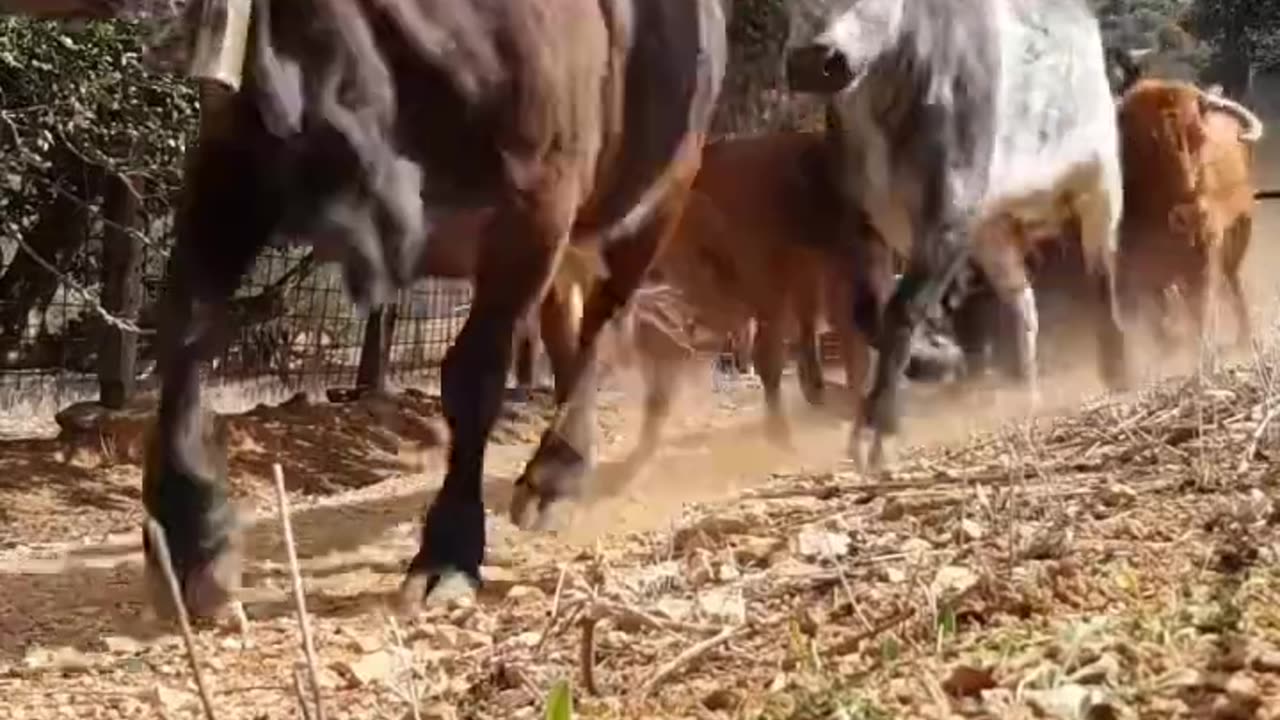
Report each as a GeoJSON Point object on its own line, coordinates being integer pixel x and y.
{"type": "Point", "coordinates": [206, 589]}
{"type": "Point", "coordinates": [422, 590]}
{"type": "Point", "coordinates": [551, 479]}
{"type": "Point", "coordinates": [778, 432]}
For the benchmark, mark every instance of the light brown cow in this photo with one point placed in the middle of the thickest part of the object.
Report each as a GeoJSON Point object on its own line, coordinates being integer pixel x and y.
{"type": "Point", "coordinates": [1189, 196]}
{"type": "Point", "coordinates": [759, 240]}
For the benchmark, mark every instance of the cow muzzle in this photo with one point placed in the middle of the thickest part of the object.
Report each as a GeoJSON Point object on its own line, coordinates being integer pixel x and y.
{"type": "Point", "coordinates": [818, 68]}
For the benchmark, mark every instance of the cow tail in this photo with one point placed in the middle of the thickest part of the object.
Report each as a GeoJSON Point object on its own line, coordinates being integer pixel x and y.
{"type": "Point", "coordinates": [1252, 124]}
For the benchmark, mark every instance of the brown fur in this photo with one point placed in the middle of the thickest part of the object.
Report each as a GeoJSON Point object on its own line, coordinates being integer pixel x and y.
{"type": "Point", "coordinates": [1188, 200]}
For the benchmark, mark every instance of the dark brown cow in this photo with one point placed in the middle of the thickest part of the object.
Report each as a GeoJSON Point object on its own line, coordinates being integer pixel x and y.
{"type": "Point", "coordinates": [575, 118]}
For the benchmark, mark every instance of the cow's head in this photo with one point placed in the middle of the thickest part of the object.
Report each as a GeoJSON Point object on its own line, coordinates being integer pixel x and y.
{"type": "Point", "coordinates": [325, 94]}
{"type": "Point", "coordinates": [312, 126]}
{"type": "Point", "coordinates": [842, 40]}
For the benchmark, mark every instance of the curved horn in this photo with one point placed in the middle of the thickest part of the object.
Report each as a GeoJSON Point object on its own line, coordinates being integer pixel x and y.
{"type": "Point", "coordinates": [1252, 131]}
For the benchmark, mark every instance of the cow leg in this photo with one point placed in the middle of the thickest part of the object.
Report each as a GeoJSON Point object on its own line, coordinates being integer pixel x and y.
{"type": "Point", "coordinates": [1002, 262]}
{"type": "Point", "coordinates": [938, 256]}
{"type": "Point", "coordinates": [220, 230]}
{"type": "Point", "coordinates": [523, 368]}
{"type": "Point", "coordinates": [1237, 242]}
{"type": "Point", "coordinates": [522, 242]}
{"type": "Point", "coordinates": [661, 359]}
{"type": "Point", "coordinates": [1097, 224]}
{"type": "Point", "coordinates": [565, 454]}
{"type": "Point", "coordinates": [808, 362]}
{"type": "Point", "coordinates": [769, 354]}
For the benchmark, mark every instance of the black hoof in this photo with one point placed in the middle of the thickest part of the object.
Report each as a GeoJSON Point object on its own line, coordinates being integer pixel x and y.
{"type": "Point", "coordinates": [208, 570]}
{"type": "Point", "coordinates": [551, 481]}
{"type": "Point", "coordinates": [453, 538]}
{"type": "Point", "coordinates": [520, 394]}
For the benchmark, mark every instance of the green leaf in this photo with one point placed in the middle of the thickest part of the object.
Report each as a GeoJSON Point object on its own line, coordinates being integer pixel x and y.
{"type": "Point", "coordinates": [560, 702]}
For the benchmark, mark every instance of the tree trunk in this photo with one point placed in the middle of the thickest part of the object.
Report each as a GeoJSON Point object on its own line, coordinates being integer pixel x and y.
{"type": "Point", "coordinates": [121, 292]}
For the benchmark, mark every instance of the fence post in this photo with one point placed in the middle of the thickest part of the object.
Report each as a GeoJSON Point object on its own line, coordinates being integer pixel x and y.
{"type": "Point", "coordinates": [375, 352]}
{"type": "Point", "coordinates": [121, 290]}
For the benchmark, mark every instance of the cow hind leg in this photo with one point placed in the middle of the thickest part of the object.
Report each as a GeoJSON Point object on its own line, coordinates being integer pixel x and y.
{"type": "Point", "coordinates": [1237, 242]}
{"type": "Point", "coordinates": [661, 360]}
{"type": "Point", "coordinates": [565, 454]}
{"type": "Point", "coordinates": [1098, 224]}
{"type": "Point", "coordinates": [769, 355]}
{"type": "Point", "coordinates": [808, 362]}
{"type": "Point", "coordinates": [928, 274]}
{"type": "Point", "coordinates": [521, 245]}
{"type": "Point", "coordinates": [1002, 262]}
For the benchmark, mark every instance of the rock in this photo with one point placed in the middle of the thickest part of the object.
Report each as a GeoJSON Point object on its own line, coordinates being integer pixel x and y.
{"type": "Point", "coordinates": [1225, 708]}
{"type": "Point", "coordinates": [752, 550]}
{"type": "Point", "coordinates": [169, 701]}
{"type": "Point", "coordinates": [816, 543]}
{"type": "Point", "coordinates": [793, 568]}
{"type": "Point", "coordinates": [953, 580]}
{"type": "Point", "coordinates": [971, 530]}
{"type": "Point", "coordinates": [726, 606]}
{"type": "Point", "coordinates": [122, 645]}
{"type": "Point", "coordinates": [674, 609]}
{"type": "Point", "coordinates": [892, 510]}
{"type": "Point", "coordinates": [968, 681]}
{"type": "Point", "coordinates": [498, 579]}
{"type": "Point", "coordinates": [381, 666]}
{"type": "Point", "coordinates": [915, 545]}
{"type": "Point", "coordinates": [1243, 690]}
{"type": "Point", "coordinates": [1267, 661]}
{"type": "Point", "coordinates": [1073, 702]}
{"type": "Point", "coordinates": [365, 643]}
{"type": "Point", "coordinates": [64, 659]}
{"type": "Point", "coordinates": [525, 593]}
{"type": "Point", "coordinates": [1103, 671]}
{"type": "Point", "coordinates": [436, 711]}
{"type": "Point", "coordinates": [722, 700]}
{"type": "Point", "coordinates": [727, 572]}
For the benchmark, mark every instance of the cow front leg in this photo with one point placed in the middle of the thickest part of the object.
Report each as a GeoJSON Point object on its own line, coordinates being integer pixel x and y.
{"type": "Point", "coordinates": [769, 353]}
{"type": "Point", "coordinates": [566, 454]}
{"type": "Point", "coordinates": [808, 355]}
{"type": "Point", "coordinates": [661, 359]}
{"type": "Point", "coordinates": [221, 226]}
{"type": "Point", "coordinates": [929, 273]}
{"type": "Point", "coordinates": [1000, 256]}
{"type": "Point", "coordinates": [521, 245]}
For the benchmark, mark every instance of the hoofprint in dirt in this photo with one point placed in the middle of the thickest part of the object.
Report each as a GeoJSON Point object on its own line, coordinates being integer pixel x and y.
{"type": "Point", "coordinates": [1117, 561]}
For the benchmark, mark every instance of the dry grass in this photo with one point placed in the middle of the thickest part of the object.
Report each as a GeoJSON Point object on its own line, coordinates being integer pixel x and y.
{"type": "Point", "coordinates": [1120, 559]}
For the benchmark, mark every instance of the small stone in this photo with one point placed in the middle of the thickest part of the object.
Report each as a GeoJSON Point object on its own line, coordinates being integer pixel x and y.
{"type": "Point", "coordinates": [724, 606]}
{"type": "Point", "coordinates": [953, 580]}
{"type": "Point", "coordinates": [523, 593]}
{"type": "Point", "coordinates": [498, 579]}
{"type": "Point", "coordinates": [1267, 661]}
{"type": "Point", "coordinates": [374, 667]}
{"type": "Point", "coordinates": [1243, 690]}
{"type": "Point", "coordinates": [815, 543]}
{"type": "Point", "coordinates": [971, 530]}
{"type": "Point", "coordinates": [674, 609]}
{"type": "Point", "coordinates": [122, 645]}
{"type": "Point", "coordinates": [169, 700]}
{"type": "Point", "coordinates": [752, 550]}
{"type": "Point", "coordinates": [968, 681]}
{"type": "Point", "coordinates": [722, 700]}
{"type": "Point", "coordinates": [892, 510]}
{"type": "Point", "coordinates": [1105, 670]}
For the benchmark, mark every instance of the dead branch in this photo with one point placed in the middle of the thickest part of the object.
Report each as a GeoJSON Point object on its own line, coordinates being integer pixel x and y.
{"type": "Point", "coordinates": [693, 652]}
{"type": "Point", "coordinates": [161, 544]}
{"type": "Point", "coordinates": [299, 599]}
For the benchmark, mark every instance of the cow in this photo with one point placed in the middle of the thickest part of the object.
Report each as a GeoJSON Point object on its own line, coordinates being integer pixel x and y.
{"type": "Point", "coordinates": [353, 122]}
{"type": "Point", "coordinates": [1189, 195]}
{"type": "Point", "coordinates": [952, 121]}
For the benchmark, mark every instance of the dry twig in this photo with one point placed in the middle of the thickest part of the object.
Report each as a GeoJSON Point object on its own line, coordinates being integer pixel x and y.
{"type": "Point", "coordinates": [299, 598]}
{"type": "Point", "coordinates": [161, 545]}
{"type": "Point", "coordinates": [693, 652]}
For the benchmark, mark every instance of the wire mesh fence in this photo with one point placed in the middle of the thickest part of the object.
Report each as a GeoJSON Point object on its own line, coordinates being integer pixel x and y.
{"type": "Point", "coordinates": [291, 328]}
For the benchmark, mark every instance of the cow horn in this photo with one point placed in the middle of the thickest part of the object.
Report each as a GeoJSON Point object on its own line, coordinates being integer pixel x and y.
{"type": "Point", "coordinates": [279, 80]}
{"type": "Point", "coordinates": [1252, 131]}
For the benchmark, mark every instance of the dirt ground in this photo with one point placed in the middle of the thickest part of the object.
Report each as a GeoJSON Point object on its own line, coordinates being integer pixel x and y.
{"type": "Point", "coordinates": [1116, 556]}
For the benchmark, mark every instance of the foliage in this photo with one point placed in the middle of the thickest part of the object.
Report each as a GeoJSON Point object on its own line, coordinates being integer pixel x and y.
{"type": "Point", "coordinates": [560, 702]}
{"type": "Point", "coordinates": [86, 93]}
{"type": "Point", "coordinates": [1248, 27]}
